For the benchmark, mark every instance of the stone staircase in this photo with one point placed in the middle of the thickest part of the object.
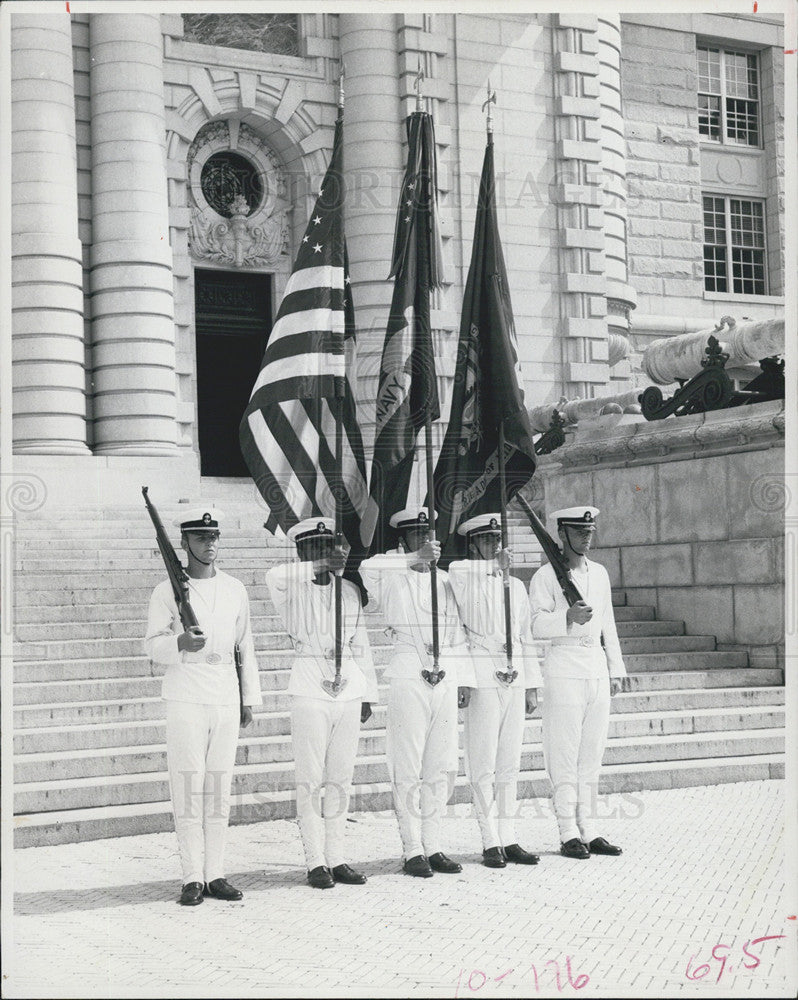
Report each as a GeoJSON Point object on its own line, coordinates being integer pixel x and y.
{"type": "Point", "coordinates": [89, 753]}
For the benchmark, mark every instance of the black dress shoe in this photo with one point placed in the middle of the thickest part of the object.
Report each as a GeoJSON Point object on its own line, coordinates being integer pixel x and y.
{"type": "Point", "coordinates": [574, 848]}
{"type": "Point", "coordinates": [601, 846]}
{"type": "Point", "coordinates": [321, 878]}
{"type": "Point", "coordinates": [493, 857]}
{"type": "Point", "coordinates": [418, 866]}
{"type": "Point", "coordinates": [516, 854]}
{"type": "Point", "coordinates": [191, 894]}
{"type": "Point", "coordinates": [440, 863]}
{"type": "Point", "coordinates": [347, 875]}
{"type": "Point", "coordinates": [220, 888]}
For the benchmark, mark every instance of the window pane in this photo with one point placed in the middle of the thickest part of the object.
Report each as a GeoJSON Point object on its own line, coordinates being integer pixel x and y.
{"type": "Point", "coordinates": [741, 76]}
{"type": "Point", "coordinates": [709, 71]}
{"type": "Point", "coordinates": [709, 116]}
{"type": "Point", "coordinates": [748, 271]}
{"type": "Point", "coordinates": [741, 122]}
{"type": "Point", "coordinates": [747, 223]}
{"type": "Point", "coordinates": [257, 32]}
{"type": "Point", "coordinates": [714, 221]}
{"type": "Point", "coordinates": [715, 269]}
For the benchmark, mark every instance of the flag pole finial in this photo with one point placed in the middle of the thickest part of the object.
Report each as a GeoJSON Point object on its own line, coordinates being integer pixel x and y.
{"type": "Point", "coordinates": [486, 104]}
{"type": "Point", "coordinates": [341, 75]}
{"type": "Point", "coordinates": [417, 87]}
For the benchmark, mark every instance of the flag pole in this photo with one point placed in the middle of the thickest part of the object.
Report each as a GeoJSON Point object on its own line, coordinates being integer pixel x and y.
{"type": "Point", "coordinates": [508, 676]}
{"type": "Point", "coordinates": [339, 451]}
{"type": "Point", "coordinates": [435, 674]}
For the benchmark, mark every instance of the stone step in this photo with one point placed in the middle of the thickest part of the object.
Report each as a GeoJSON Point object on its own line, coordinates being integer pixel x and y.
{"type": "Point", "coordinates": [269, 626]}
{"type": "Point", "coordinates": [67, 826]}
{"type": "Point", "coordinates": [257, 778]}
{"type": "Point", "coordinates": [269, 722]}
{"type": "Point", "coordinates": [279, 647]}
{"type": "Point", "coordinates": [143, 678]}
{"type": "Point", "coordinates": [254, 749]}
{"type": "Point", "coordinates": [147, 708]}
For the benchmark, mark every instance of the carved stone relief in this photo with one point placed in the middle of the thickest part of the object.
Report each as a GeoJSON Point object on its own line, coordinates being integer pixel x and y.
{"type": "Point", "coordinates": [253, 231]}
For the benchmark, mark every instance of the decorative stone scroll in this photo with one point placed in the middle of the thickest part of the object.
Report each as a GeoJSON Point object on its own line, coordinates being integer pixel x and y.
{"type": "Point", "coordinates": [253, 231]}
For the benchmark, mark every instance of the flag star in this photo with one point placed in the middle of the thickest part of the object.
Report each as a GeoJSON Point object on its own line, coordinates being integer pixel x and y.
{"type": "Point", "coordinates": [409, 201]}
{"type": "Point", "coordinates": [305, 239]}
{"type": "Point", "coordinates": [317, 248]}
{"type": "Point", "coordinates": [347, 280]}
{"type": "Point", "coordinates": [321, 192]}
{"type": "Point", "coordinates": [407, 218]}
{"type": "Point", "coordinates": [317, 220]}
{"type": "Point", "coordinates": [411, 185]}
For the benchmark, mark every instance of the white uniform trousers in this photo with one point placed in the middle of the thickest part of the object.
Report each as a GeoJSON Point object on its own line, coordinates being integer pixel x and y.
{"type": "Point", "coordinates": [324, 736]}
{"type": "Point", "coordinates": [421, 748]}
{"type": "Point", "coordinates": [494, 731]}
{"type": "Point", "coordinates": [201, 751]}
{"type": "Point", "coordinates": [576, 717]}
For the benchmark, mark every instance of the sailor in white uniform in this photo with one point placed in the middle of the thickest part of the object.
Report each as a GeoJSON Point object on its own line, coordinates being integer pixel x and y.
{"type": "Point", "coordinates": [421, 739]}
{"type": "Point", "coordinates": [579, 678]}
{"type": "Point", "coordinates": [494, 719]}
{"type": "Point", "coordinates": [325, 725]}
{"type": "Point", "coordinates": [201, 691]}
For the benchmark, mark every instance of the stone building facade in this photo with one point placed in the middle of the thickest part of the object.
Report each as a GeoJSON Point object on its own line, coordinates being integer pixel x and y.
{"type": "Point", "coordinates": [136, 301]}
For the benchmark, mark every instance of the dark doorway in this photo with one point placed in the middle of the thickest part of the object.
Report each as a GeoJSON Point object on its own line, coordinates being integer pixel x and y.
{"type": "Point", "coordinates": [233, 319]}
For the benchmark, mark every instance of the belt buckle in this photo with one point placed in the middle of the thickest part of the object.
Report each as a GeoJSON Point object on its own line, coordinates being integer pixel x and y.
{"type": "Point", "coordinates": [213, 658]}
{"type": "Point", "coordinates": [585, 640]}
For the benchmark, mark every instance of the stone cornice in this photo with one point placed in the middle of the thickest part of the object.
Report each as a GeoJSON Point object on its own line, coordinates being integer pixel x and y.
{"type": "Point", "coordinates": [621, 440]}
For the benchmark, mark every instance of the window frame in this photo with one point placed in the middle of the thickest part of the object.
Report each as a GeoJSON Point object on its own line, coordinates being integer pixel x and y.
{"type": "Point", "coordinates": [728, 247]}
{"type": "Point", "coordinates": [723, 139]}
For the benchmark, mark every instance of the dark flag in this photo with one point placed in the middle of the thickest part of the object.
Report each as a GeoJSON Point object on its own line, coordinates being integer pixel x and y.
{"type": "Point", "coordinates": [487, 388]}
{"type": "Point", "coordinates": [288, 430]}
{"type": "Point", "coordinates": [408, 391]}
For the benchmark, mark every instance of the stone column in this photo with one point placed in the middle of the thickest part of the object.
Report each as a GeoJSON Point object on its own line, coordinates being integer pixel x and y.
{"type": "Point", "coordinates": [578, 193]}
{"type": "Point", "coordinates": [373, 133]}
{"type": "Point", "coordinates": [49, 396]}
{"type": "Point", "coordinates": [131, 261]}
{"type": "Point", "coordinates": [620, 297]}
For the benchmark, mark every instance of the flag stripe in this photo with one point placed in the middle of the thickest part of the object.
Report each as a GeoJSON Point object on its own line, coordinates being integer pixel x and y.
{"type": "Point", "coordinates": [288, 431]}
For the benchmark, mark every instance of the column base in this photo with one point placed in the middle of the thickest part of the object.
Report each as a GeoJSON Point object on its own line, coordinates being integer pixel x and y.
{"type": "Point", "coordinates": [126, 450]}
{"type": "Point", "coordinates": [50, 448]}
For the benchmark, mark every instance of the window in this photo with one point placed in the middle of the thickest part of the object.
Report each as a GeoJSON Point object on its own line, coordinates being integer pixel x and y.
{"type": "Point", "coordinates": [734, 245]}
{"type": "Point", "coordinates": [258, 32]}
{"type": "Point", "coordinates": [728, 96]}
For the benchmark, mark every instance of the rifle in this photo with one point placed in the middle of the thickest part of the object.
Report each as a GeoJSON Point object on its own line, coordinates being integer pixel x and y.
{"type": "Point", "coordinates": [238, 663]}
{"type": "Point", "coordinates": [558, 562]}
{"type": "Point", "coordinates": [174, 568]}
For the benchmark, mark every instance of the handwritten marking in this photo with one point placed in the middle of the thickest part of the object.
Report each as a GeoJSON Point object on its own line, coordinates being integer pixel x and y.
{"type": "Point", "coordinates": [700, 971]}
{"type": "Point", "coordinates": [793, 917]}
{"type": "Point", "coordinates": [477, 978]}
{"type": "Point", "coordinates": [67, 7]}
{"type": "Point", "coordinates": [756, 5]}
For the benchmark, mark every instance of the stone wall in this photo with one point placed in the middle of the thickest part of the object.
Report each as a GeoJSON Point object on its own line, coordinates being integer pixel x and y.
{"type": "Point", "coordinates": [669, 164]}
{"type": "Point", "coordinates": [692, 517]}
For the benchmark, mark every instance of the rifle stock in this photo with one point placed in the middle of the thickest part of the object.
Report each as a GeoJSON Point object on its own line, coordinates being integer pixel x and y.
{"type": "Point", "coordinates": [552, 550]}
{"type": "Point", "coordinates": [174, 568]}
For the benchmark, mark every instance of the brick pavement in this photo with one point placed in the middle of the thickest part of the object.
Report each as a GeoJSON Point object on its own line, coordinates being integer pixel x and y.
{"type": "Point", "coordinates": [702, 868]}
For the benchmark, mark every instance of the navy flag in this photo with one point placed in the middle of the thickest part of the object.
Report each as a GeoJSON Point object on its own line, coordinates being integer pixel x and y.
{"type": "Point", "coordinates": [408, 391]}
{"type": "Point", "coordinates": [487, 388]}
{"type": "Point", "coordinates": [288, 430]}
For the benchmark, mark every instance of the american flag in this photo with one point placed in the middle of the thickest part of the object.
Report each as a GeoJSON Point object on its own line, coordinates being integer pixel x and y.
{"type": "Point", "coordinates": [407, 390]}
{"type": "Point", "coordinates": [288, 430]}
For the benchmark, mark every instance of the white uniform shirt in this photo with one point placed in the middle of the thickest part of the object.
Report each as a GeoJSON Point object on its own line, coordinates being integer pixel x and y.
{"type": "Point", "coordinates": [549, 608]}
{"type": "Point", "coordinates": [222, 609]}
{"type": "Point", "coordinates": [479, 593]}
{"type": "Point", "coordinates": [308, 613]}
{"type": "Point", "coordinates": [405, 597]}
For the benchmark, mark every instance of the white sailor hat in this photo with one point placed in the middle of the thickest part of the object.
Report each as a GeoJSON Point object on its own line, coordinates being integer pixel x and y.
{"type": "Point", "coordinates": [312, 527]}
{"type": "Point", "coordinates": [575, 517]}
{"type": "Point", "coordinates": [205, 518]}
{"type": "Point", "coordinates": [410, 517]}
{"type": "Point", "coordinates": [482, 524]}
